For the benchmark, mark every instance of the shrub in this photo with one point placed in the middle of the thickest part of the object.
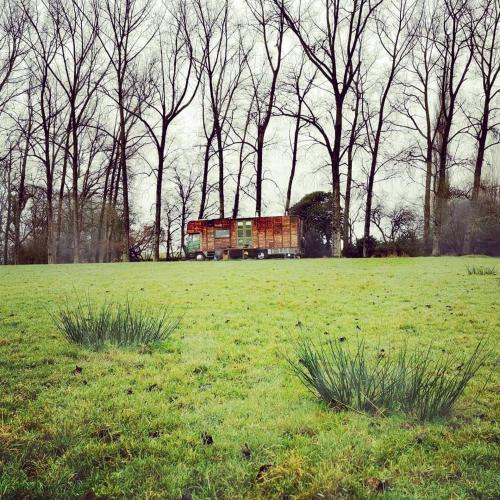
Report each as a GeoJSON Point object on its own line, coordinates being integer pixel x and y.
{"type": "Point", "coordinates": [95, 326]}
{"type": "Point", "coordinates": [481, 270]}
{"type": "Point", "coordinates": [413, 383]}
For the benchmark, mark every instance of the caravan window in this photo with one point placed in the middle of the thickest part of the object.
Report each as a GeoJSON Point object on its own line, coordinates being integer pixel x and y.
{"type": "Point", "coordinates": [222, 233]}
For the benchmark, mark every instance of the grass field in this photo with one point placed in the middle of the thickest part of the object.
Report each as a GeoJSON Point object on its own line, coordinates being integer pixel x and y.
{"type": "Point", "coordinates": [130, 424]}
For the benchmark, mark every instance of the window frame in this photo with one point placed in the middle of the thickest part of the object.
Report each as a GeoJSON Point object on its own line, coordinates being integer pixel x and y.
{"type": "Point", "coordinates": [227, 233]}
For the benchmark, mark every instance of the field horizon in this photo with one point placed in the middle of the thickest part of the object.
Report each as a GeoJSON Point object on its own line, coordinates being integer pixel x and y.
{"type": "Point", "coordinates": [215, 411]}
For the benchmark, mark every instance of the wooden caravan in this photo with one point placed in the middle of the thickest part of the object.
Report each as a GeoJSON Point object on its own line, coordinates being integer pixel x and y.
{"type": "Point", "coordinates": [255, 237]}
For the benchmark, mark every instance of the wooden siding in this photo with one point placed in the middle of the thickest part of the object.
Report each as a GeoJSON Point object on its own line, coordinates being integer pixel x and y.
{"type": "Point", "coordinates": [267, 233]}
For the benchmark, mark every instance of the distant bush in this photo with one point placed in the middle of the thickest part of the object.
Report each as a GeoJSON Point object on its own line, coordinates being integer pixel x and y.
{"type": "Point", "coordinates": [316, 212]}
{"type": "Point", "coordinates": [413, 383]}
{"type": "Point", "coordinates": [95, 326]}
{"type": "Point", "coordinates": [482, 270]}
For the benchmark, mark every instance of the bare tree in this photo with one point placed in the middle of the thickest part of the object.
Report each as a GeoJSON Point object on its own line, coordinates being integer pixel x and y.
{"type": "Point", "coordinates": [52, 133]}
{"type": "Point", "coordinates": [74, 64]}
{"type": "Point", "coordinates": [129, 31]}
{"type": "Point", "coordinates": [26, 129]}
{"type": "Point", "coordinates": [185, 182]}
{"type": "Point", "coordinates": [395, 29]}
{"type": "Point", "coordinates": [399, 222]}
{"type": "Point", "coordinates": [455, 56]}
{"type": "Point", "coordinates": [486, 53]}
{"type": "Point", "coordinates": [331, 41]}
{"type": "Point", "coordinates": [12, 49]}
{"type": "Point", "coordinates": [353, 145]}
{"type": "Point", "coordinates": [246, 152]}
{"type": "Point", "coordinates": [299, 87]}
{"type": "Point", "coordinates": [172, 82]}
{"type": "Point", "coordinates": [8, 203]}
{"type": "Point", "coordinates": [223, 65]}
{"type": "Point", "coordinates": [270, 23]}
{"type": "Point", "coordinates": [417, 103]}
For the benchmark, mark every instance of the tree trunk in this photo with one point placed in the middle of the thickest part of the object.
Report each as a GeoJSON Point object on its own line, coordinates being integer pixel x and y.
{"type": "Point", "coordinates": [347, 199]}
{"type": "Point", "coordinates": [124, 175]}
{"type": "Point", "coordinates": [9, 214]}
{"type": "Point", "coordinates": [427, 201]}
{"type": "Point", "coordinates": [76, 218]}
{"type": "Point", "coordinates": [204, 183]}
{"type": "Point", "coordinates": [294, 158]}
{"type": "Point", "coordinates": [183, 231]}
{"type": "Point", "coordinates": [261, 131]}
{"type": "Point", "coordinates": [57, 243]}
{"type": "Point", "coordinates": [220, 156]}
{"type": "Point", "coordinates": [236, 205]}
{"type": "Point", "coordinates": [481, 146]}
{"type": "Point", "coordinates": [350, 154]}
{"type": "Point", "coordinates": [441, 194]}
{"type": "Point", "coordinates": [159, 186]}
{"type": "Point", "coordinates": [335, 161]}
{"type": "Point", "coordinates": [369, 199]}
{"type": "Point", "coordinates": [102, 215]}
{"type": "Point", "coordinates": [445, 118]}
{"type": "Point", "coordinates": [373, 164]}
{"type": "Point", "coordinates": [20, 197]}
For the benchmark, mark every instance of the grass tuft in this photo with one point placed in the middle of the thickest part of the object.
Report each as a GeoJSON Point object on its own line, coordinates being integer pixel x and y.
{"type": "Point", "coordinates": [411, 382]}
{"type": "Point", "coordinates": [481, 270]}
{"type": "Point", "coordinates": [96, 326]}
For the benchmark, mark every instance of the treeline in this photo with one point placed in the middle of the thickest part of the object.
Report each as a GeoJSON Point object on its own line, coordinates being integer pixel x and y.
{"type": "Point", "coordinates": [107, 103]}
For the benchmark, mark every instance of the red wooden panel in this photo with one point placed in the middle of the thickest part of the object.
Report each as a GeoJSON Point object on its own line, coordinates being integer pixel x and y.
{"type": "Point", "coordinates": [293, 232]}
{"type": "Point", "coordinates": [259, 235]}
{"type": "Point", "coordinates": [286, 232]}
{"type": "Point", "coordinates": [210, 238]}
{"type": "Point", "coordinates": [204, 239]}
{"type": "Point", "coordinates": [269, 243]}
{"type": "Point", "coordinates": [234, 233]}
{"type": "Point", "coordinates": [222, 243]}
{"type": "Point", "coordinates": [278, 232]}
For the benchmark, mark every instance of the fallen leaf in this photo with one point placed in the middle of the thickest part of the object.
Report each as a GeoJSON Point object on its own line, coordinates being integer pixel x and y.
{"type": "Point", "coordinates": [207, 439]}
{"type": "Point", "coordinates": [262, 470]}
{"type": "Point", "coordinates": [246, 452]}
{"type": "Point", "coordinates": [377, 484]}
{"type": "Point", "coordinates": [421, 438]}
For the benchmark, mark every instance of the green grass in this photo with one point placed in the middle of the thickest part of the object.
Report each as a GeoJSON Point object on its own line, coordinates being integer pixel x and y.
{"type": "Point", "coordinates": [136, 422]}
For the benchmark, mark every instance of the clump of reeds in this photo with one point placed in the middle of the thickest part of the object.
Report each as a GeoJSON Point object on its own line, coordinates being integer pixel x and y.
{"type": "Point", "coordinates": [481, 270]}
{"type": "Point", "coordinates": [416, 383]}
{"type": "Point", "coordinates": [95, 326]}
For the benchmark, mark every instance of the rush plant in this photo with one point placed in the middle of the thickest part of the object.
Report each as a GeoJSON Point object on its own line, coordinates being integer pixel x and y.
{"type": "Point", "coordinates": [94, 326]}
{"type": "Point", "coordinates": [416, 383]}
{"type": "Point", "coordinates": [481, 270]}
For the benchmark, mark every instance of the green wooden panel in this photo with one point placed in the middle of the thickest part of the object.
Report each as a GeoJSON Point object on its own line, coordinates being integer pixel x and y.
{"type": "Point", "coordinates": [193, 242]}
{"type": "Point", "coordinates": [244, 233]}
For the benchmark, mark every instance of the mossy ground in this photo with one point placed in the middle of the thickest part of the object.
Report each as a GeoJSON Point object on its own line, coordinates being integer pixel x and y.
{"type": "Point", "coordinates": [131, 423]}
